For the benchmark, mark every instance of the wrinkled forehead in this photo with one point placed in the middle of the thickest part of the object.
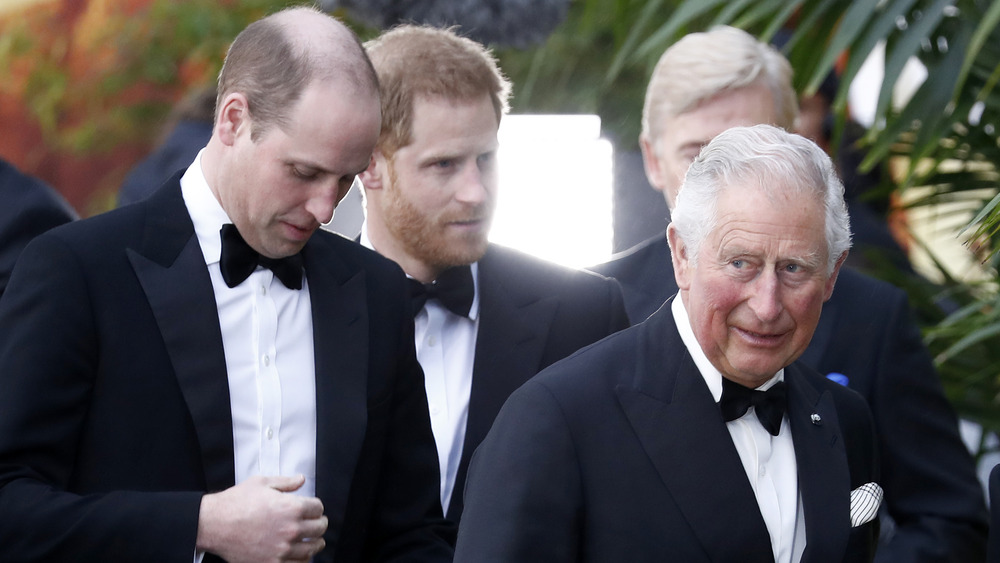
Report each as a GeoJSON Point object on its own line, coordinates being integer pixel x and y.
{"type": "Point", "coordinates": [772, 211]}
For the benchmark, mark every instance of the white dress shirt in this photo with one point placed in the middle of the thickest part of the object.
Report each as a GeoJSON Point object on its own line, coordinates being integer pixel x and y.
{"type": "Point", "coordinates": [769, 461]}
{"type": "Point", "coordinates": [446, 350]}
{"type": "Point", "coordinates": [267, 336]}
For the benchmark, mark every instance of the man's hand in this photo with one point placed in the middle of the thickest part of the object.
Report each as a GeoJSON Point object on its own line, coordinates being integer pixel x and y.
{"type": "Point", "coordinates": [256, 521]}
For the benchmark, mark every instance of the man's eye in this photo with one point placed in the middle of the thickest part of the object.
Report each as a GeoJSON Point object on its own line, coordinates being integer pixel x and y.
{"type": "Point", "coordinates": [447, 163]}
{"type": "Point", "coordinates": [303, 174]}
{"type": "Point", "coordinates": [738, 264]}
{"type": "Point", "coordinates": [793, 268]}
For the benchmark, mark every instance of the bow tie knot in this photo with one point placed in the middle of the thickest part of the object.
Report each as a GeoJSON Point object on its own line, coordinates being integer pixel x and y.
{"type": "Point", "coordinates": [768, 405]}
{"type": "Point", "coordinates": [238, 260]}
{"type": "Point", "coordinates": [454, 289]}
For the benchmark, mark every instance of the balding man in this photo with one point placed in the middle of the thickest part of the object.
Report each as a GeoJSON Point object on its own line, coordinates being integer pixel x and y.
{"type": "Point", "coordinates": [204, 374]}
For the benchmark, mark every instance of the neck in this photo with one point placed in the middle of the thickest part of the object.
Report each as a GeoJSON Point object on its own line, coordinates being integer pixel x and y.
{"type": "Point", "coordinates": [212, 171]}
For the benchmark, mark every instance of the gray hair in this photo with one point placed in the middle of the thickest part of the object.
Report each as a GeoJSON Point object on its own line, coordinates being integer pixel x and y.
{"type": "Point", "coordinates": [703, 65]}
{"type": "Point", "coordinates": [771, 159]}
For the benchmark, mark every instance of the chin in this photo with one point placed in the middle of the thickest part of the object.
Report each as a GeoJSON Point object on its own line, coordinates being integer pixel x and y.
{"type": "Point", "coordinates": [758, 371]}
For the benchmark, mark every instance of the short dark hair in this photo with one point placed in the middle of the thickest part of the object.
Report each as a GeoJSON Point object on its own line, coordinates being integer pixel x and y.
{"type": "Point", "coordinates": [414, 61]}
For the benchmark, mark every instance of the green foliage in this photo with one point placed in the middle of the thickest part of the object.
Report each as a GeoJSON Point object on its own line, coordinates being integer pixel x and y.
{"type": "Point", "coordinates": [569, 73]}
{"type": "Point", "coordinates": [115, 75]}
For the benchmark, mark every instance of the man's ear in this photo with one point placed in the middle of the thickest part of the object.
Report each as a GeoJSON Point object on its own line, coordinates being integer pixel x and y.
{"type": "Point", "coordinates": [681, 258]}
{"type": "Point", "coordinates": [232, 118]}
{"type": "Point", "coordinates": [828, 290]}
{"type": "Point", "coordinates": [373, 176]}
{"type": "Point", "coordinates": [654, 172]}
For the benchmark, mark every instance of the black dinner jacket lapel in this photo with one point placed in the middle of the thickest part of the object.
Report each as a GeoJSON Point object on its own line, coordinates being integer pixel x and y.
{"type": "Point", "coordinates": [820, 342]}
{"type": "Point", "coordinates": [513, 333]}
{"type": "Point", "coordinates": [338, 292]}
{"type": "Point", "coordinates": [658, 266]}
{"type": "Point", "coordinates": [821, 458]}
{"type": "Point", "coordinates": [171, 269]}
{"type": "Point", "coordinates": [672, 412]}
{"type": "Point", "coordinates": [169, 258]}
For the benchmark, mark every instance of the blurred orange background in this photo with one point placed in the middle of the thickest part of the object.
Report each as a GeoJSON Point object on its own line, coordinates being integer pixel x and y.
{"type": "Point", "coordinates": [86, 85]}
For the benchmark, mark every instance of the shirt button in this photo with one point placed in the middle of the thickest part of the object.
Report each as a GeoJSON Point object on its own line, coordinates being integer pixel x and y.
{"type": "Point", "coordinates": [270, 433]}
{"type": "Point", "coordinates": [263, 290]}
{"type": "Point", "coordinates": [435, 410]}
{"type": "Point", "coordinates": [431, 341]}
{"type": "Point", "coordinates": [267, 360]}
{"type": "Point", "coordinates": [763, 471]}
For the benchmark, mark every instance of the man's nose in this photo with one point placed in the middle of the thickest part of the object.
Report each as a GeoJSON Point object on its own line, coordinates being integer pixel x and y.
{"type": "Point", "coordinates": [322, 203]}
{"type": "Point", "coordinates": [475, 185]}
{"type": "Point", "coordinates": [765, 300]}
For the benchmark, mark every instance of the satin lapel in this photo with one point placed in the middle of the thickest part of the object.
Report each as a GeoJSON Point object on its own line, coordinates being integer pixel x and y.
{"type": "Point", "coordinates": [656, 265]}
{"type": "Point", "coordinates": [661, 268]}
{"type": "Point", "coordinates": [824, 479]}
{"type": "Point", "coordinates": [341, 347]}
{"type": "Point", "coordinates": [173, 275]}
{"type": "Point", "coordinates": [681, 429]}
{"type": "Point", "coordinates": [813, 356]}
{"type": "Point", "coordinates": [513, 332]}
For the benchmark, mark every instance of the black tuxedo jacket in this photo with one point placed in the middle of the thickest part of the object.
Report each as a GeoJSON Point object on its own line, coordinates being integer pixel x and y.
{"type": "Point", "coordinates": [532, 313]}
{"type": "Point", "coordinates": [29, 209]}
{"type": "Point", "coordinates": [620, 453]}
{"type": "Point", "coordinates": [115, 411]}
{"type": "Point", "coordinates": [866, 333]}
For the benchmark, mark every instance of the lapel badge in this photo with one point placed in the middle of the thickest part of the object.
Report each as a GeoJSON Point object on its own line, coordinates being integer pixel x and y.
{"type": "Point", "coordinates": [816, 419]}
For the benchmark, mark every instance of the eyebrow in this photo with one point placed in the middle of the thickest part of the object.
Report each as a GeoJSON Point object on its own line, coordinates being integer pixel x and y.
{"type": "Point", "coordinates": [812, 259]}
{"type": "Point", "coordinates": [692, 145]}
{"type": "Point", "coordinates": [320, 168]}
{"type": "Point", "coordinates": [454, 153]}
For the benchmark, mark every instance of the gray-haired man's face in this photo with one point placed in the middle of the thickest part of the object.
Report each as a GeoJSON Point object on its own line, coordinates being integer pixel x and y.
{"type": "Point", "coordinates": [682, 137]}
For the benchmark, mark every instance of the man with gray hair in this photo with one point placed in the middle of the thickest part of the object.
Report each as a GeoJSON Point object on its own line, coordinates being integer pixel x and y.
{"type": "Point", "coordinates": [866, 337]}
{"type": "Point", "coordinates": [696, 436]}
{"type": "Point", "coordinates": [204, 375]}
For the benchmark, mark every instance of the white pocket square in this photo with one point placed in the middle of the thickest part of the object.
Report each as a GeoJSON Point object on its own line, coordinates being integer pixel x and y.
{"type": "Point", "coordinates": [865, 501]}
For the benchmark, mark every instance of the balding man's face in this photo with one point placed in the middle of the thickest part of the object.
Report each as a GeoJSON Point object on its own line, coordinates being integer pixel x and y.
{"type": "Point", "coordinates": [682, 137]}
{"type": "Point", "coordinates": [280, 188]}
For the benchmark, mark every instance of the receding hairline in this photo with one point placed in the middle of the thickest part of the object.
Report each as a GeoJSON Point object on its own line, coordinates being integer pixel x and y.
{"type": "Point", "coordinates": [327, 43]}
{"type": "Point", "coordinates": [329, 49]}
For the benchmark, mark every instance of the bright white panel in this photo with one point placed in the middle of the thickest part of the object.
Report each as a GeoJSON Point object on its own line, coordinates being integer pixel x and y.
{"type": "Point", "coordinates": [555, 188]}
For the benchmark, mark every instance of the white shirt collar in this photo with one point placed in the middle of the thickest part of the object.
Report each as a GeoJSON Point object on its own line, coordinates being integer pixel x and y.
{"type": "Point", "coordinates": [713, 378]}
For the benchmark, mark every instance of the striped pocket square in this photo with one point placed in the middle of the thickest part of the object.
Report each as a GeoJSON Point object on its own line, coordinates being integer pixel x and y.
{"type": "Point", "coordinates": [865, 501]}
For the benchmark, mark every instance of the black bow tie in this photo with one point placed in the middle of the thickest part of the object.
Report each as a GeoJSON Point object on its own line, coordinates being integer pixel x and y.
{"type": "Point", "coordinates": [769, 405]}
{"type": "Point", "coordinates": [238, 261]}
{"type": "Point", "coordinates": [454, 288]}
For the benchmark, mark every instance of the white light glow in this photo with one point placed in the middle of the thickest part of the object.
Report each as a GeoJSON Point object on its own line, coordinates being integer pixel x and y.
{"type": "Point", "coordinates": [554, 198]}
